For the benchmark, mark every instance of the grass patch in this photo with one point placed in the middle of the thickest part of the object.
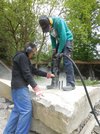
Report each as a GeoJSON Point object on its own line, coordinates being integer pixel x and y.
{"type": "Point", "coordinates": [88, 82]}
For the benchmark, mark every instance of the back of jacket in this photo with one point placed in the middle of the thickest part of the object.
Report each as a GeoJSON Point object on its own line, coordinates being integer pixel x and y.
{"type": "Point", "coordinates": [21, 71]}
{"type": "Point", "coordinates": [60, 33]}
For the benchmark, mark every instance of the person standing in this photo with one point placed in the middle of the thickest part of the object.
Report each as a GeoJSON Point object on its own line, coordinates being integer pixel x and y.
{"type": "Point", "coordinates": [22, 75]}
{"type": "Point", "coordinates": [61, 40]}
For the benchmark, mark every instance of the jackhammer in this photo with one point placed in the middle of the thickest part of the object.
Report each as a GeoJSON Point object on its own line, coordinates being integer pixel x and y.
{"type": "Point", "coordinates": [55, 70]}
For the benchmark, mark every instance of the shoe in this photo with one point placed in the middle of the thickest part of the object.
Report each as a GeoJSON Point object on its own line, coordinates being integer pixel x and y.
{"type": "Point", "coordinates": [68, 88]}
{"type": "Point", "coordinates": [51, 87]}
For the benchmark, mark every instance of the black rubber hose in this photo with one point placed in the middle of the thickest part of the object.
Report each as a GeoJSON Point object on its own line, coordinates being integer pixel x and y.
{"type": "Point", "coordinates": [87, 94]}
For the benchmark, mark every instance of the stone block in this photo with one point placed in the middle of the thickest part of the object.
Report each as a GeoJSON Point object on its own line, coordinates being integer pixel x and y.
{"type": "Point", "coordinates": [40, 127]}
{"type": "Point", "coordinates": [5, 89]}
{"type": "Point", "coordinates": [57, 111]}
{"type": "Point", "coordinates": [63, 111]}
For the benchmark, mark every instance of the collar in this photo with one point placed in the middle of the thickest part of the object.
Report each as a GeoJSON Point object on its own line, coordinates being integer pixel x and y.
{"type": "Point", "coordinates": [51, 21]}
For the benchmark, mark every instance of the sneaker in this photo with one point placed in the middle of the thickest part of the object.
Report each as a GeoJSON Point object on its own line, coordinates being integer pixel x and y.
{"type": "Point", "coordinates": [51, 87]}
{"type": "Point", "coordinates": [68, 88]}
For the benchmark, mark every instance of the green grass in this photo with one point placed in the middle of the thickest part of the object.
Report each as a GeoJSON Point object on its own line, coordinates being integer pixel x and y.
{"type": "Point", "coordinates": [88, 82]}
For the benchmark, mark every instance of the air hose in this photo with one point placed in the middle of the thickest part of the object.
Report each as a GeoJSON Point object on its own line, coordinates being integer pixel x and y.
{"type": "Point", "coordinates": [86, 91]}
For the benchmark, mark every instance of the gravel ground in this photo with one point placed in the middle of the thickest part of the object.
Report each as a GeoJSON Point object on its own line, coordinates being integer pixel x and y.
{"type": "Point", "coordinates": [6, 106]}
{"type": "Point", "coordinates": [3, 119]}
{"type": "Point", "coordinates": [4, 112]}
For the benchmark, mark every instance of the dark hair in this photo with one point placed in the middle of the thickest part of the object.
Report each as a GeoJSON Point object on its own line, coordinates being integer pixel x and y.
{"type": "Point", "coordinates": [29, 46]}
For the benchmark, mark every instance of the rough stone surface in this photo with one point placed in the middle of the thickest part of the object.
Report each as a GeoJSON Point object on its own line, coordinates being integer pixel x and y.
{"type": "Point", "coordinates": [4, 114]}
{"type": "Point", "coordinates": [2, 100]}
{"type": "Point", "coordinates": [5, 89]}
{"type": "Point", "coordinates": [58, 112]}
{"type": "Point", "coordinates": [41, 128]}
{"type": "Point", "coordinates": [5, 72]}
{"type": "Point", "coordinates": [62, 111]}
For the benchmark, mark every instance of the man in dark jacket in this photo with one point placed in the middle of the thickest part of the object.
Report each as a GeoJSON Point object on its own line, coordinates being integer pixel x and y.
{"type": "Point", "coordinates": [22, 76]}
{"type": "Point", "coordinates": [61, 40]}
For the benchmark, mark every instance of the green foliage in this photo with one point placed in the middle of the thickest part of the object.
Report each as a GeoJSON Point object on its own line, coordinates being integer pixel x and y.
{"type": "Point", "coordinates": [45, 57]}
{"type": "Point", "coordinates": [88, 82]}
{"type": "Point", "coordinates": [17, 26]}
{"type": "Point", "coordinates": [84, 18]}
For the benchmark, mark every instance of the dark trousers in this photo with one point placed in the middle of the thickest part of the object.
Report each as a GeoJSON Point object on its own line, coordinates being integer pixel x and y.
{"type": "Point", "coordinates": [70, 79]}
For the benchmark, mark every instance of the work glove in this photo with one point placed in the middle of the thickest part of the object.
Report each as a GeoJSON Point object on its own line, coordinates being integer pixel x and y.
{"type": "Point", "coordinates": [59, 55]}
{"type": "Point", "coordinates": [49, 75]}
{"type": "Point", "coordinates": [38, 91]}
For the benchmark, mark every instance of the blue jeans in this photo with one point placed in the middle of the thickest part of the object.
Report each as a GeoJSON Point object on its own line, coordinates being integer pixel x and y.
{"type": "Point", "coordinates": [20, 119]}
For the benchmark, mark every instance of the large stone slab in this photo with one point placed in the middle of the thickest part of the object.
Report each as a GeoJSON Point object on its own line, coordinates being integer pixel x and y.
{"type": "Point", "coordinates": [40, 127]}
{"type": "Point", "coordinates": [63, 111]}
{"type": "Point", "coordinates": [5, 89]}
{"type": "Point", "coordinates": [5, 72]}
{"type": "Point", "coordinates": [58, 112]}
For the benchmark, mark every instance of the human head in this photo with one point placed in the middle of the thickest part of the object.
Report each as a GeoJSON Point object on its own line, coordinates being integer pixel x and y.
{"type": "Point", "coordinates": [44, 23]}
{"type": "Point", "coordinates": [30, 49]}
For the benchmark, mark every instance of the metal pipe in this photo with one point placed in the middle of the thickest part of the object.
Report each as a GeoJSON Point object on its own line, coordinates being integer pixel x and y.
{"type": "Point", "coordinates": [59, 84]}
{"type": "Point", "coordinates": [62, 84]}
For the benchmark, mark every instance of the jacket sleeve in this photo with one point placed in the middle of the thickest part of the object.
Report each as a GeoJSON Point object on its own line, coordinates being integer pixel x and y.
{"type": "Point", "coordinates": [61, 30]}
{"type": "Point", "coordinates": [38, 72]}
{"type": "Point", "coordinates": [25, 70]}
